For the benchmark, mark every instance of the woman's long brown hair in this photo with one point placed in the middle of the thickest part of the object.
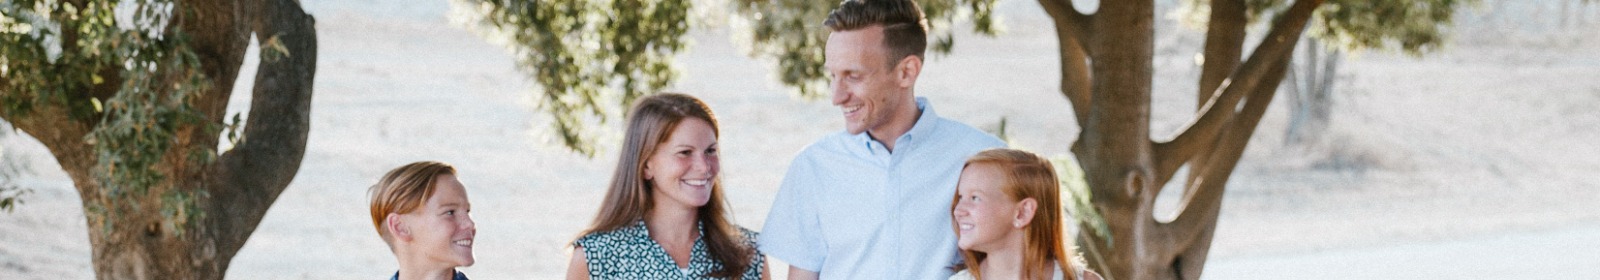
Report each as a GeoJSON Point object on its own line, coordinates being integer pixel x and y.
{"type": "Point", "coordinates": [1027, 176]}
{"type": "Point", "coordinates": [650, 123]}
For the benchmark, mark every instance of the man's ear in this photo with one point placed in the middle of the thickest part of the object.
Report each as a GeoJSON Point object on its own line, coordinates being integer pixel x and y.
{"type": "Point", "coordinates": [1025, 211]}
{"type": "Point", "coordinates": [397, 227]}
{"type": "Point", "coordinates": [906, 71]}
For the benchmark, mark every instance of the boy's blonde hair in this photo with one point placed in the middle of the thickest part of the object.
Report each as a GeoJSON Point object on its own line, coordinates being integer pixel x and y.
{"type": "Point", "coordinates": [404, 190]}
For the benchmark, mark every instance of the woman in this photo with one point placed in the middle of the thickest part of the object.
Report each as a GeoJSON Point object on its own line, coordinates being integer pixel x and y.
{"type": "Point", "coordinates": [664, 216]}
{"type": "Point", "coordinates": [1007, 217]}
{"type": "Point", "coordinates": [422, 212]}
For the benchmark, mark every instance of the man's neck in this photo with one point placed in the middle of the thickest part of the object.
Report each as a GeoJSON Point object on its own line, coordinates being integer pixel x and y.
{"type": "Point", "coordinates": [899, 124]}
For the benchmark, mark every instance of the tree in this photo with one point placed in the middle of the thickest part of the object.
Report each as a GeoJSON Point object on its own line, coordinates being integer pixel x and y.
{"type": "Point", "coordinates": [129, 97]}
{"type": "Point", "coordinates": [1310, 89]}
{"type": "Point", "coordinates": [1105, 59]}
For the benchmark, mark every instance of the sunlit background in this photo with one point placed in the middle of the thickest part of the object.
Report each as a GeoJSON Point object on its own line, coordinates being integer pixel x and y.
{"type": "Point", "coordinates": [1473, 162]}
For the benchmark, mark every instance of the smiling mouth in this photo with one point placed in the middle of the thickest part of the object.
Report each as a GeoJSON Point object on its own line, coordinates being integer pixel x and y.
{"type": "Point", "coordinates": [850, 110]}
{"type": "Point", "coordinates": [464, 242]}
{"type": "Point", "coordinates": [697, 183]}
{"type": "Point", "coordinates": [965, 226]}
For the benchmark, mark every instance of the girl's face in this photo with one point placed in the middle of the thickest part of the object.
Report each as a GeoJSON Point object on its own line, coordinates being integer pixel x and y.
{"type": "Point", "coordinates": [442, 231]}
{"type": "Point", "coordinates": [683, 168]}
{"type": "Point", "coordinates": [986, 218]}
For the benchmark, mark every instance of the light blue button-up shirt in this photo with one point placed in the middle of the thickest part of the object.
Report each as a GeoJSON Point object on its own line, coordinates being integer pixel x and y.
{"type": "Point", "coordinates": [850, 209]}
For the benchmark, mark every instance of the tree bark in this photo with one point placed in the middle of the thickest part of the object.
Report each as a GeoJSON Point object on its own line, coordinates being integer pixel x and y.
{"type": "Point", "coordinates": [131, 236]}
{"type": "Point", "coordinates": [1125, 168]}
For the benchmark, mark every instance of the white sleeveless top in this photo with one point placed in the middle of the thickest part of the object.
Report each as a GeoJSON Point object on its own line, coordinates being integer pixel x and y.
{"type": "Point", "coordinates": [965, 274]}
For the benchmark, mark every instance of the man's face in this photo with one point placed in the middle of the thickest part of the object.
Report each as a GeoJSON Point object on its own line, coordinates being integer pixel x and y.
{"type": "Point", "coordinates": [866, 87]}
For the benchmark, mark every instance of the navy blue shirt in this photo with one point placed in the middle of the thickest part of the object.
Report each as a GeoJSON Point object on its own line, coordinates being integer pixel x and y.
{"type": "Point", "coordinates": [459, 276]}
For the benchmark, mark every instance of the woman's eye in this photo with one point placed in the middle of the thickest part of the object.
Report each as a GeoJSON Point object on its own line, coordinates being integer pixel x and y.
{"type": "Point", "coordinates": [711, 151]}
{"type": "Point", "coordinates": [450, 212]}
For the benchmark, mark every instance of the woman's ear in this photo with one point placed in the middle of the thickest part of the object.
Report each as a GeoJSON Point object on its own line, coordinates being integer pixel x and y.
{"type": "Point", "coordinates": [397, 227]}
{"type": "Point", "coordinates": [646, 170]}
{"type": "Point", "coordinates": [1025, 211]}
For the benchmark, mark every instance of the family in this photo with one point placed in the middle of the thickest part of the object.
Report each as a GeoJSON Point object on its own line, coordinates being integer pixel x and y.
{"type": "Point", "coordinates": [901, 193]}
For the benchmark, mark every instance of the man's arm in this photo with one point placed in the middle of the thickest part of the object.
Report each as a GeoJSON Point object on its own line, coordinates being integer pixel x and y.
{"type": "Point", "coordinates": [796, 273]}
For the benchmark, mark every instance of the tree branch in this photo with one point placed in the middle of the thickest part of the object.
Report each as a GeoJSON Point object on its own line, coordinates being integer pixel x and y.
{"type": "Point", "coordinates": [1203, 196]}
{"type": "Point", "coordinates": [1066, 15]}
{"type": "Point", "coordinates": [1218, 111]}
{"type": "Point", "coordinates": [247, 179]}
{"type": "Point", "coordinates": [1224, 44]}
{"type": "Point", "coordinates": [1070, 36]}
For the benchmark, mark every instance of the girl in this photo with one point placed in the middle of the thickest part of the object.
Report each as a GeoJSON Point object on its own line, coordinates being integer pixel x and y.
{"type": "Point", "coordinates": [664, 216]}
{"type": "Point", "coordinates": [1007, 217]}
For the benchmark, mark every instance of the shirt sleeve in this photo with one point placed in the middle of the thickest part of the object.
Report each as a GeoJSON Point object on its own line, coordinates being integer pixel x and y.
{"type": "Point", "coordinates": [792, 232]}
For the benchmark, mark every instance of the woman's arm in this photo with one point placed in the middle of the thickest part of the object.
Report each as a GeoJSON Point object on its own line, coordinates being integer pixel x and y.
{"type": "Point", "coordinates": [766, 271]}
{"type": "Point", "coordinates": [1090, 275]}
{"type": "Point", "coordinates": [578, 268]}
{"type": "Point", "coordinates": [796, 273]}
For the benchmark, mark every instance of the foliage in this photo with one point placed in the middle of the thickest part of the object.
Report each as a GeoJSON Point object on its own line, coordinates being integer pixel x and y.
{"type": "Point", "coordinates": [587, 55]}
{"type": "Point", "coordinates": [1413, 26]}
{"type": "Point", "coordinates": [10, 167]}
{"type": "Point", "coordinates": [773, 26]}
{"type": "Point", "coordinates": [115, 64]}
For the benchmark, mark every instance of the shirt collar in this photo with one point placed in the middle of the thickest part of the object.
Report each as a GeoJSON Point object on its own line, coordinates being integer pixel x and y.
{"type": "Point", "coordinates": [458, 276]}
{"type": "Point", "coordinates": [925, 124]}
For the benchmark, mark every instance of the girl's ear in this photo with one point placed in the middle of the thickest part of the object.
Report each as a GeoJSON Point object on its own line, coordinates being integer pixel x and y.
{"type": "Point", "coordinates": [1025, 211]}
{"type": "Point", "coordinates": [397, 227]}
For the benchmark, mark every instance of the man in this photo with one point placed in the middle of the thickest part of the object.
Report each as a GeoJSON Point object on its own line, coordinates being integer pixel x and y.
{"type": "Point", "coordinates": [873, 202]}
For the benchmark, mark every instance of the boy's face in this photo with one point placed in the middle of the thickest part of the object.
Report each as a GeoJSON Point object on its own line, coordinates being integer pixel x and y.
{"type": "Point", "coordinates": [442, 231]}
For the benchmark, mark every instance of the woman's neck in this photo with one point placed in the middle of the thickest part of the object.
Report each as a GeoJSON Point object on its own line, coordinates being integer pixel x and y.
{"type": "Point", "coordinates": [673, 225]}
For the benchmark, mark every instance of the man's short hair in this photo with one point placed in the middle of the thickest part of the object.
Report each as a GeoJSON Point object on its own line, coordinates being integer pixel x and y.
{"type": "Point", "coordinates": [905, 32]}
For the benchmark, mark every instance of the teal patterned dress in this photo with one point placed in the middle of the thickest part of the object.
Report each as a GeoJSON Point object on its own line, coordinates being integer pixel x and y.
{"type": "Point", "coordinates": [629, 253]}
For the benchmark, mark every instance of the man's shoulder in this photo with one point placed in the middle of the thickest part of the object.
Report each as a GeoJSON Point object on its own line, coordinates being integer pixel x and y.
{"type": "Point", "coordinates": [833, 143]}
{"type": "Point", "coordinates": [966, 135]}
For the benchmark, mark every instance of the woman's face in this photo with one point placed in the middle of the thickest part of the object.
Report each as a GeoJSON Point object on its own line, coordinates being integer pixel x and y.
{"type": "Point", "coordinates": [442, 231]}
{"type": "Point", "coordinates": [684, 167]}
{"type": "Point", "coordinates": [985, 216]}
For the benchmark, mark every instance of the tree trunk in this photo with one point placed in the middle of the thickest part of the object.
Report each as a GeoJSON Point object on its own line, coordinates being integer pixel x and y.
{"type": "Point", "coordinates": [1124, 166]}
{"type": "Point", "coordinates": [145, 235]}
{"type": "Point", "coordinates": [1310, 91]}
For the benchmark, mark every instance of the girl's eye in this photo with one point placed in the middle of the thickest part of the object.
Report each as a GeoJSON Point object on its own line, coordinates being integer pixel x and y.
{"type": "Point", "coordinates": [711, 151]}
{"type": "Point", "coordinates": [450, 212]}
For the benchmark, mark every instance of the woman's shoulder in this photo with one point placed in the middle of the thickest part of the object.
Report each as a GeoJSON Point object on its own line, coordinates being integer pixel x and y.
{"type": "Point", "coordinates": [749, 235]}
{"type": "Point", "coordinates": [627, 234]}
